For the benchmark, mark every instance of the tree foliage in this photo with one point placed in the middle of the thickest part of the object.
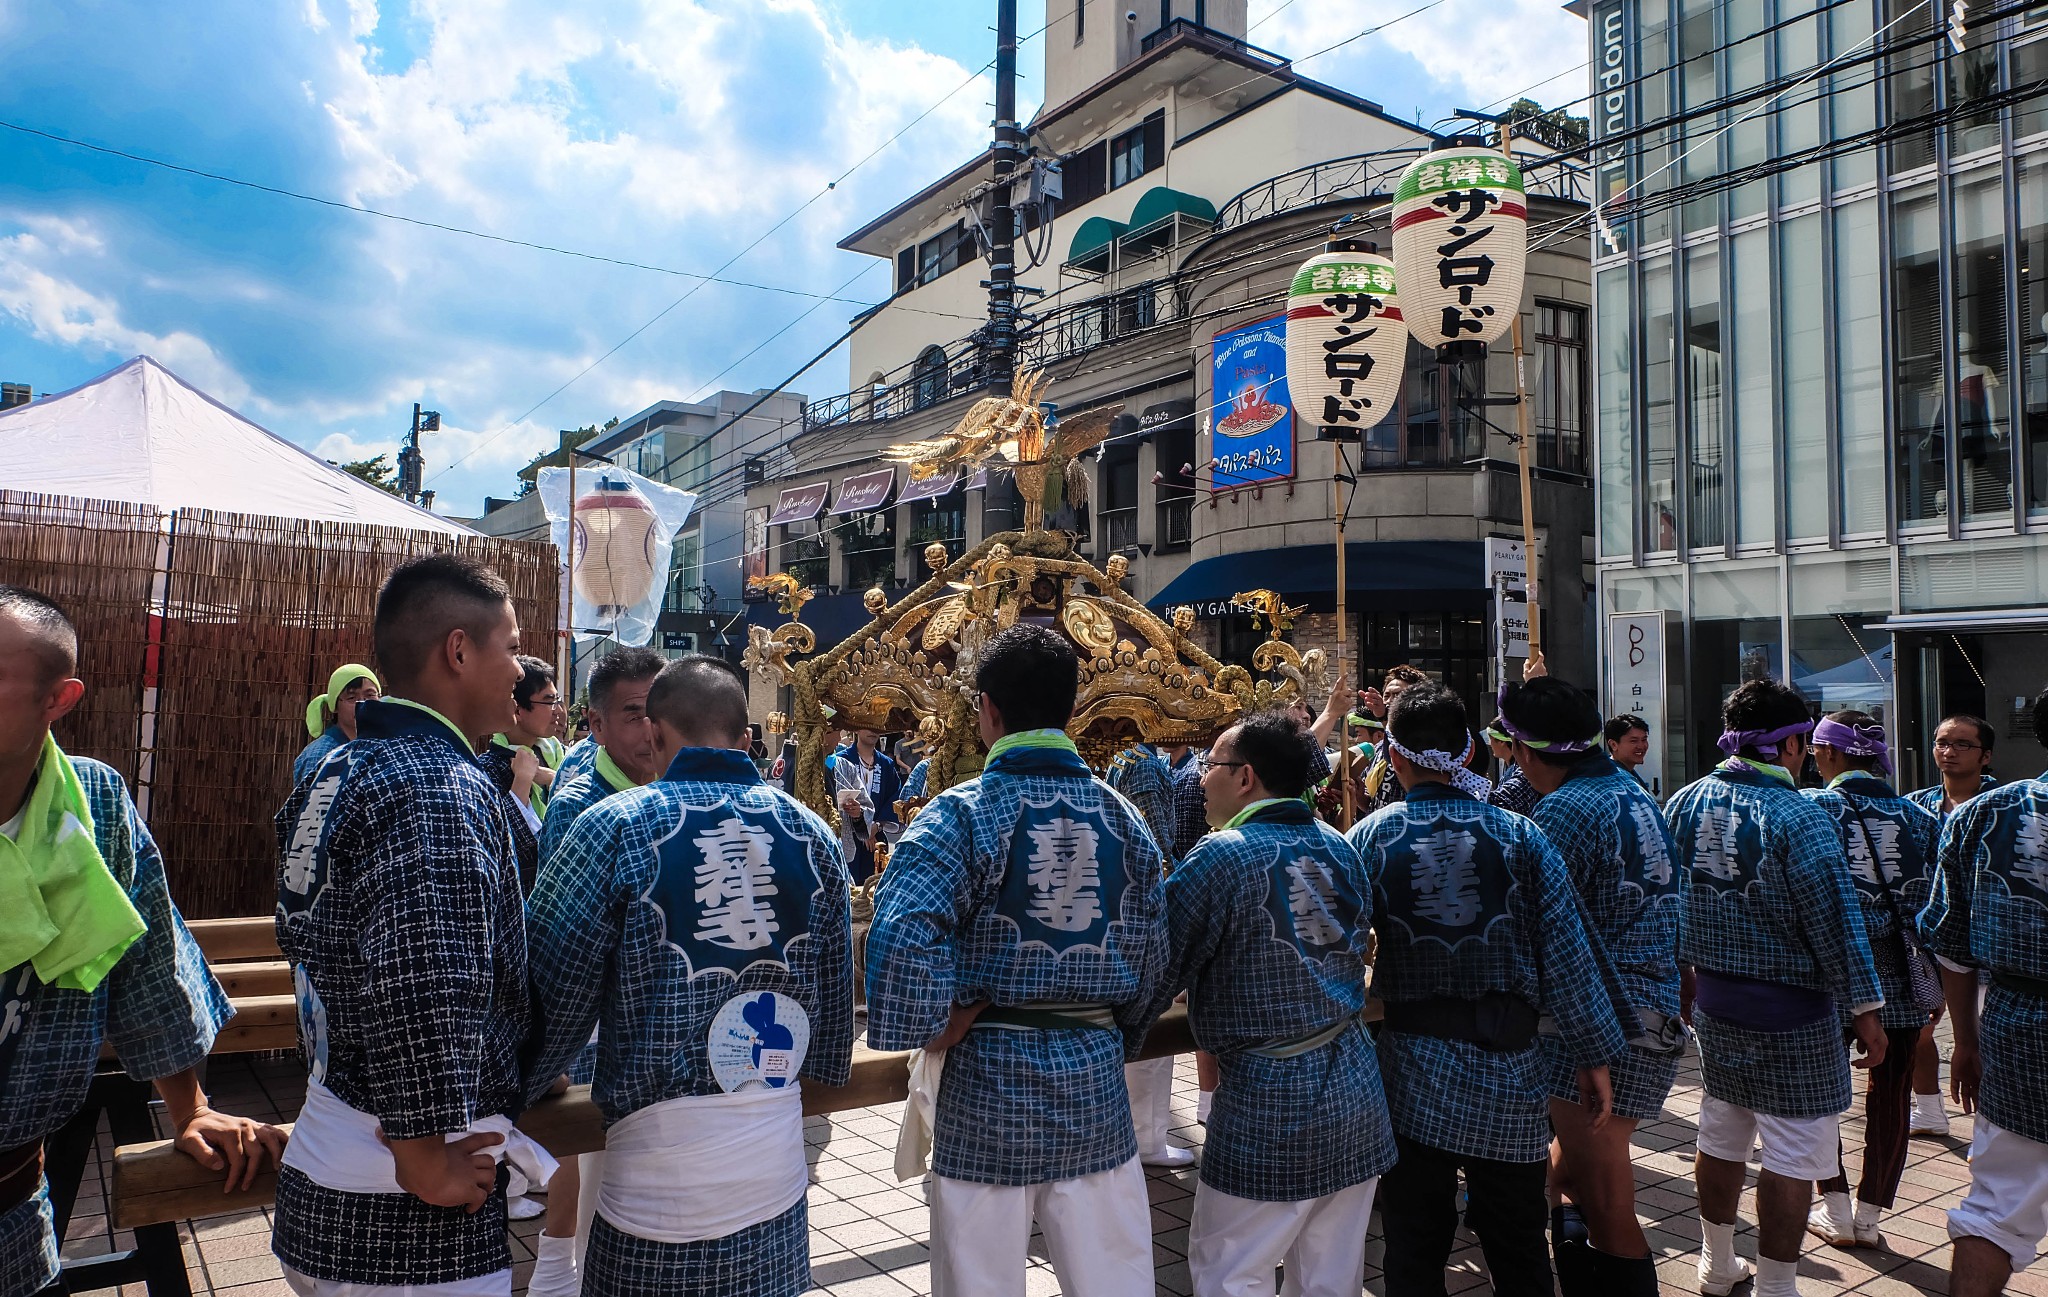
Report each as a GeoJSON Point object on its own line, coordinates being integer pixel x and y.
{"type": "Point", "coordinates": [378, 471]}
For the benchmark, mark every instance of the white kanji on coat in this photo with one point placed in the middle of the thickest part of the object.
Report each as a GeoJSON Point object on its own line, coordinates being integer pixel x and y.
{"type": "Point", "coordinates": [1873, 861]}
{"type": "Point", "coordinates": [1713, 843]}
{"type": "Point", "coordinates": [1310, 897]}
{"type": "Point", "coordinates": [302, 856]}
{"type": "Point", "coordinates": [1064, 874]}
{"type": "Point", "coordinates": [734, 881]}
{"type": "Point", "coordinates": [2030, 851]}
{"type": "Point", "coordinates": [1446, 884]}
{"type": "Point", "coordinates": [1650, 842]}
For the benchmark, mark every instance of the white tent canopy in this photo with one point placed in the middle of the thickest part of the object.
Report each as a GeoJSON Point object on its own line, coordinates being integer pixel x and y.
{"type": "Point", "coordinates": [141, 434]}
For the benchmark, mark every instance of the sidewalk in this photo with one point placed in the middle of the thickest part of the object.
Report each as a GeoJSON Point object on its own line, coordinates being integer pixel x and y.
{"type": "Point", "coordinates": [869, 1233]}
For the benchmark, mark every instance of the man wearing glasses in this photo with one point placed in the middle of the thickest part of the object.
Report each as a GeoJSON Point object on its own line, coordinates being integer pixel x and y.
{"type": "Point", "coordinates": [1962, 753]}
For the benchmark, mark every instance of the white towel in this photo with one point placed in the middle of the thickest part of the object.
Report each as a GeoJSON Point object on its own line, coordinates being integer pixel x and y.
{"type": "Point", "coordinates": [920, 1114]}
{"type": "Point", "coordinates": [336, 1146]}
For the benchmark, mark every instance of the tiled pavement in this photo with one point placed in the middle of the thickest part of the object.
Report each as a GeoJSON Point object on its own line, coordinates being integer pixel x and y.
{"type": "Point", "coordinates": [869, 1233]}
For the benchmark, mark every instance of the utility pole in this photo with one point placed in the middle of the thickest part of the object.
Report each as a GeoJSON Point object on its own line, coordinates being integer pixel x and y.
{"type": "Point", "coordinates": [1008, 150]}
{"type": "Point", "coordinates": [410, 461]}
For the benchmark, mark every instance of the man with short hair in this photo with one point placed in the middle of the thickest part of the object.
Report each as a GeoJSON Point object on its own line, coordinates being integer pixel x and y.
{"type": "Point", "coordinates": [1514, 792]}
{"type": "Point", "coordinates": [1628, 741]}
{"type": "Point", "coordinates": [1382, 785]}
{"type": "Point", "coordinates": [1989, 913]}
{"type": "Point", "coordinates": [1772, 927]}
{"type": "Point", "coordinates": [1480, 936]}
{"type": "Point", "coordinates": [536, 754]}
{"type": "Point", "coordinates": [1270, 921]}
{"type": "Point", "coordinates": [1618, 852]}
{"type": "Point", "coordinates": [866, 786]}
{"type": "Point", "coordinates": [400, 911]}
{"type": "Point", "coordinates": [1889, 845]}
{"type": "Point", "coordinates": [92, 948]}
{"type": "Point", "coordinates": [1021, 931]}
{"type": "Point", "coordinates": [703, 921]}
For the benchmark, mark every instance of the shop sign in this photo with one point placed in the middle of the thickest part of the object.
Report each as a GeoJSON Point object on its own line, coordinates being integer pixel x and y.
{"type": "Point", "coordinates": [1635, 682]}
{"type": "Point", "coordinates": [1253, 431]}
{"type": "Point", "coordinates": [1508, 575]}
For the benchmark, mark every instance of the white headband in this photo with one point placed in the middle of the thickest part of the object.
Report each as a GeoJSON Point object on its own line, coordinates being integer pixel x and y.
{"type": "Point", "coordinates": [1436, 759]}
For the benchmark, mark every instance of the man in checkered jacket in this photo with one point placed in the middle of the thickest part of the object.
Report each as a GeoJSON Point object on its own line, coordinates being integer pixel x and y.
{"type": "Point", "coordinates": [399, 908]}
{"type": "Point", "coordinates": [1019, 928]}
{"type": "Point", "coordinates": [1771, 924]}
{"type": "Point", "coordinates": [1270, 921]}
{"type": "Point", "coordinates": [1990, 912]}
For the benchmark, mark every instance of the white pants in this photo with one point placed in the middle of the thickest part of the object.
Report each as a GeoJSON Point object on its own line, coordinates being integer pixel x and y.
{"type": "Point", "coordinates": [1098, 1230]}
{"type": "Point", "coordinates": [1151, 1087]}
{"type": "Point", "coordinates": [1234, 1243]}
{"type": "Point", "coordinates": [2008, 1199]}
{"type": "Point", "coordinates": [496, 1284]}
{"type": "Point", "coordinates": [1798, 1148]}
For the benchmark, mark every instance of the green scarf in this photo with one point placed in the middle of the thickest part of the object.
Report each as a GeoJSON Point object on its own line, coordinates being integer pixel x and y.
{"type": "Point", "coordinates": [320, 712]}
{"type": "Point", "coordinates": [549, 752]}
{"type": "Point", "coordinates": [1033, 739]}
{"type": "Point", "coordinates": [61, 908]}
{"type": "Point", "coordinates": [608, 770]}
{"type": "Point", "coordinates": [1238, 819]}
{"type": "Point", "coordinates": [1776, 772]}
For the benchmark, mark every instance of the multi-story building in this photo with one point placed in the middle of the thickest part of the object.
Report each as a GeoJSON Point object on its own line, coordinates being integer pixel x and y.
{"type": "Point", "coordinates": [1823, 363]}
{"type": "Point", "coordinates": [1196, 172]}
{"type": "Point", "coordinates": [698, 447]}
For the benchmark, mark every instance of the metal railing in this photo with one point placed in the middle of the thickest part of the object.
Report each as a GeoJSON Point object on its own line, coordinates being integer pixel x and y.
{"type": "Point", "coordinates": [1068, 331]}
{"type": "Point", "coordinates": [1119, 529]}
{"type": "Point", "coordinates": [1176, 27]}
{"type": "Point", "coordinates": [1377, 175]}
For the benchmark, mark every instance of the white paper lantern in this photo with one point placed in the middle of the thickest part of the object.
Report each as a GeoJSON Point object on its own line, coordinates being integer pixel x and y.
{"type": "Point", "coordinates": [1346, 342]}
{"type": "Point", "coordinates": [614, 545]}
{"type": "Point", "coordinates": [1461, 238]}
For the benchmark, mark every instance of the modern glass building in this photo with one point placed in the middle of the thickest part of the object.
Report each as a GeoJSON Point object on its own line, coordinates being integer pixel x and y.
{"type": "Point", "coordinates": [1821, 341]}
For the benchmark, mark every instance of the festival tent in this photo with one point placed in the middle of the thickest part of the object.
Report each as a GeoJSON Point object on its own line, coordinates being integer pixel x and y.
{"type": "Point", "coordinates": [141, 434]}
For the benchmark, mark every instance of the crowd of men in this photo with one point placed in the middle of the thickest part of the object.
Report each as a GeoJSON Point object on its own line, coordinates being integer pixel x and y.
{"type": "Point", "coordinates": [476, 915]}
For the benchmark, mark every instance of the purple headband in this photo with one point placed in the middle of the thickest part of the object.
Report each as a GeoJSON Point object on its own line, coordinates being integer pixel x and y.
{"type": "Point", "coordinates": [1764, 741]}
{"type": "Point", "coordinates": [1555, 747]}
{"type": "Point", "coordinates": [1854, 741]}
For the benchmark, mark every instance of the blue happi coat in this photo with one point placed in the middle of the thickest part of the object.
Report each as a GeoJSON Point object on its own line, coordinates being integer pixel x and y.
{"type": "Point", "coordinates": [1931, 798]}
{"type": "Point", "coordinates": [314, 753]}
{"type": "Point", "coordinates": [575, 760]}
{"type": "Point", "coordinates": [1270, 924]}
{"type": "Point", "coordinates": [662, 905]}
{"type": "Point", "coordinates": [1888, 846]}
{"type": "Point", "coordinates": [1618, 851]}
{"type": "Point", "coordinates": [400, 910]}
{"type": "Point", "coordinates": [571, 797]}
{"type": "Point", "coordinates": [914, 782]}
{"type": "Point", "coordinates": [160, 1009]}
{"type": "Point", "coordinates": [1990, 911]}
{"type": "Point", "coordinates": [1034, 884]}
{"type": "Point", "coordinates": [1469, 899]}
{"type": "Point", "coordinates": [1767, 898]}
{"type": "Point", "coordinates": [1145, 779]}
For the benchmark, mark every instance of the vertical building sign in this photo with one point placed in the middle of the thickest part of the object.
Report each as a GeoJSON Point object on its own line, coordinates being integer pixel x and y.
{"type": "Point", "coordinates": [755, 525]}
{"type": "Point", "coordinates": [1253, 422]}
{"type": "Point", "coordinates": [1635, 683]}
{"type": "Point", "coordinates": [1507, 576]}
{"type": "Point", "coordinates": [1613, 110]}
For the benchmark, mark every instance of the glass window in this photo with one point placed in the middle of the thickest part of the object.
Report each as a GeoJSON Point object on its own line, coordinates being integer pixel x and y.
{"type": "Point", "coordinates": [869, 540]}
{"type": "Point", "coordinates": [1841, 661]}
{"type": "Point", "coordinates": [1912, 75]}
{"type": "Point", "coordinates": [1983, 382]}
{"type": "Point", "coordinates": [1802, 375]}
{"type": "Point", "coordinates": [928, 378]}
{"type": "Point", "coordinates": [2030, 67]}
{"type": "Point", "coordinates": [1853, 91]}
{"type": "Point", "coordinates": [1651, 174]}
{"type": "Point", "coordinates": [1798, 113]}
{"type": "Point", "coordinates": [1660, 497]}
{"type": "Point", "coordinates": [1756, 456]}
{"type": "Point", "coordinates": [804, 553]}
{"type": "Point", "coordinates": [1859, 367]}
{"type": "Point", "coordinates": [1705, 439]}
{"type": "Point", "coordinates": [1973, 79]}
{"type": "Point", "coordinates": [1560, 414]}
{"type": "Point", "coordinates": [1617, 427]}
{"type": "Point", "coordinates": [2033, 253]}
{"type": "Point", "coordinates": [1922, 453]}
{"type": "Point", "coordinates": [2005, 573]}
{"type": "Point", "coordinates": [686, 572]}
{"type": "Point", "coordinates": [1736, 638]}
{"type": "Point", "coordinates": [943, 520]}
{"type": "Point", "coordinates": [1749, 140]}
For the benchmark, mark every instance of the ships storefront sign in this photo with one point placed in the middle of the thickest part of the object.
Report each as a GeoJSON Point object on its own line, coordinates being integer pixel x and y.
{"type": "Point", "coordinates": [1252, 422]}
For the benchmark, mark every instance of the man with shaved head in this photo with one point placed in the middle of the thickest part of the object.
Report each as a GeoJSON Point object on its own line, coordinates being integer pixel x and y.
{"type": "Point", "coordinates": [92, 947]}
{"type": "Point", "coordinates": [399, 908]}
{"type": "Point", "coordinates": [702, 921]}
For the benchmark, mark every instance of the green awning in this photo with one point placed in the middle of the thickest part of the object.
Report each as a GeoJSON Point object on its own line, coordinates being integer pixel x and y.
{"type": "Point", "coordinates": [1158, 205]}
{"type": "Point", "coordinates": [1092, 241]}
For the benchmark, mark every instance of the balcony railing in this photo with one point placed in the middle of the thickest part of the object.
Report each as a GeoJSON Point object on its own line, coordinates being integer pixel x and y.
{"type": "Point", "coordinates": [1119, 529]}
{"type": "Point", "coordinates": [1177, 27]}
{"type": "Point", "coordinates": [1068, 331]}
{"type": "Point", "coordinates": [1377, 175]}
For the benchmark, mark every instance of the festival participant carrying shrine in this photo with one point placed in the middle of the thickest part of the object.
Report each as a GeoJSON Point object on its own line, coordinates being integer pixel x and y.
{"type": "Point", "coordinates": [1888, 843]}
{"type": "Point", "coordinates": [1020, 930]}
{"type": "Point", "coordinates": [399, 909]}
{"type": "Point", "coordinates": [1618, 852]}
{"type": "Point", "coordinates": [92, 946]}
{"type": "Point", "coordinates": [1480, 934]}
{"type": "Point", "coordinates": [1771, 924]}
{"type": "Point", "coordinates": [1269, 917]}
{"type": "Point", "coordinates": [702, 923]}
{"type": "Point", "coordinates": [1990, 913]}
{"type": "Point", "coordinates": [1144, 775]}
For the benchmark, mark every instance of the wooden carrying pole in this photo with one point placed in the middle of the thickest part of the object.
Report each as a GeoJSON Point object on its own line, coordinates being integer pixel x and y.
{"type": "Point", "coordinates": [1523, 440]}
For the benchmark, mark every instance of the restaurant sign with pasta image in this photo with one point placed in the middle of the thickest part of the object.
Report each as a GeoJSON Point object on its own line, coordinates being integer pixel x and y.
{"type": "Point", "coordinates": [1251, 422]}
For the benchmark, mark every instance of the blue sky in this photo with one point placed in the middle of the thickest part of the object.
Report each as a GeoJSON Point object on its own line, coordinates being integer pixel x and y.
{"type": "Point", "coordinates": [665, 132]}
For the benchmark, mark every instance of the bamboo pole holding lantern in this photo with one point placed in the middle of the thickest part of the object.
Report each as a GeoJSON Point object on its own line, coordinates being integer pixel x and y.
{"type": "Point", "coordinates": [1524, 439]}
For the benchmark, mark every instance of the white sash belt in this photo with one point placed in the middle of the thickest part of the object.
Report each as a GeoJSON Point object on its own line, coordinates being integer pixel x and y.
{"type": "Point", "coordinates": [705, 1166]}
{"type": "Point", "coordinates": [336, 1147]}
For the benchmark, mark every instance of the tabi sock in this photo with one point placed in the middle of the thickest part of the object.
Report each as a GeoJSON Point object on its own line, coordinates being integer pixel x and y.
{"type": "Point", "coordinates": [1867, 1214]}
{"type": "Point", "coordinates": [1719, 1243]}
{"type": "Point", "coordinates": [1776, 1278]}
{"type": "Point", "coordinates": [554, 1269]}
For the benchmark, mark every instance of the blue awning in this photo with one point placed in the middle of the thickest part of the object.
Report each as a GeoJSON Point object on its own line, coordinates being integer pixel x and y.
{"type": "Point", "coordinates": [1382, 576]}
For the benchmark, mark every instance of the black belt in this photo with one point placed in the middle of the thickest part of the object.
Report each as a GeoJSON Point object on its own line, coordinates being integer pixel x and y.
{"type": "Point", "coordinates": [2021, 985]}
{"type": "Point", "coordinates": [21, 1173]}
{"type": "Point", "coordinates": [1496, 1021]}
{"type": "Point", "coordinates": [1078, 1017]}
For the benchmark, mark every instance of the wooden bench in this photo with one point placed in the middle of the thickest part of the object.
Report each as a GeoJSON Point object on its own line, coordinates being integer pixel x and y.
{"type": "Point", "coordinates": [244, 957]}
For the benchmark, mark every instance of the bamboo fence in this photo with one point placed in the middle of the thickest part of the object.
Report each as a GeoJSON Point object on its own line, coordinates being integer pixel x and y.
{"type": "Point", "coordinates": [256, 613]}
